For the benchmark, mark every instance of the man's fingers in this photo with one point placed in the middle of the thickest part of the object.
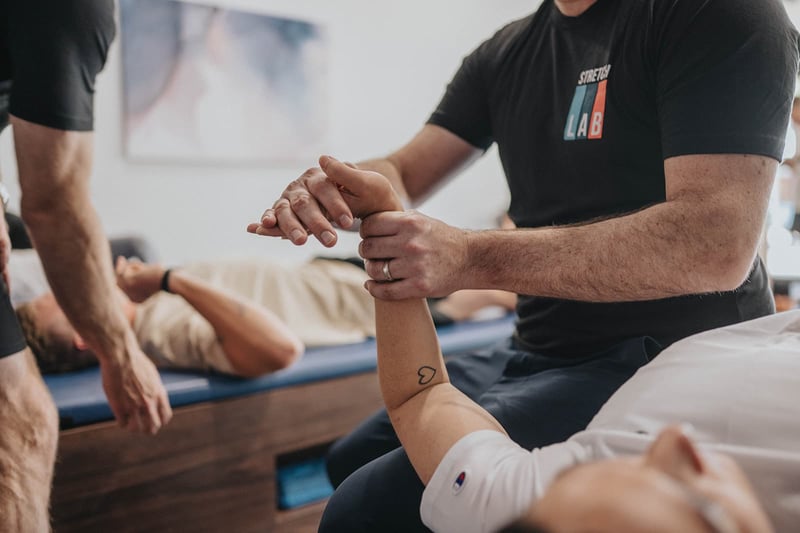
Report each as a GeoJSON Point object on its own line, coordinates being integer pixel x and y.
{"type": "Point", "coordinates": [382, 247]}
{"type": "Point", "coordinates": [152, 417]}
{"type": "Point", "coordinates": [382, 224]}
{"type": "Point", "coordinates": [268, 218]}
{"type": "Point", "coordinates": [288, 222]}
{"type": "Point", "coordinates": [329, 197]}
{"type": "Point", "coordinates": [164, 409]}
{"type": "Point", "coordinates": [257, 229]}
{"type": "Point", "coordinates": [134, 422]}
{"type": "Point", "coordinates": [396, 290]}
{"type": "Point", "coordinates": [378, 269]}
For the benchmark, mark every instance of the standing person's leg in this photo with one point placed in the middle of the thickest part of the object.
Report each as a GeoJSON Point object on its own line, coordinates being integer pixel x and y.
{"type": "Point", "coordinates": [539, 400]}
{"type": "Point", "coordinates": [28, 439]}
{"type": "Point", "coordinates": [28, 431]}
{"type": "Point", "coordinates": [473, 374]}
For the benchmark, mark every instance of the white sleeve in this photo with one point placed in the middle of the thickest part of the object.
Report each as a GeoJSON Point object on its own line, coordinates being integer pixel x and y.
{"type": "Point", "coordinates": [486, 480]}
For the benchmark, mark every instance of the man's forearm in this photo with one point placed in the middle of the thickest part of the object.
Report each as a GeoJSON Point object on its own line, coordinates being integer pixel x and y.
{"type": "Point", "coordinates": [75, 256]}
{"type": "Point", "coordinates": [702, 239]}
{"type": "Point", "coordinates": [67, 234]}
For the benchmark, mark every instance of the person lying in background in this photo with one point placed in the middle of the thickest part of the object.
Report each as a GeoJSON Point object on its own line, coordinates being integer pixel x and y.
{"type": "Point", "coordinates": [239, 317]}
{"type": "Point", "coordinates": [631, 470]}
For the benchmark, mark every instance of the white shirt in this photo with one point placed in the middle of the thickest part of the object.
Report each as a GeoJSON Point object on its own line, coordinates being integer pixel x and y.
{"type": "Point", "coordinates": [738, 386]}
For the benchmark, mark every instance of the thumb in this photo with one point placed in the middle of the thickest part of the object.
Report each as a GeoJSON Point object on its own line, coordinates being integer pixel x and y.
{"type": "Point", "coordinates": [120, 266]}
{"type": "Point", "coordinates": [343, 174]}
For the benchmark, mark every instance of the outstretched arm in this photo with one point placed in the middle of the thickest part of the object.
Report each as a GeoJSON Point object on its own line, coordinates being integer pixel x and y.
{"type": "Point", "coordinates": [254, 339]}
{"type": "Point", "coordinates": [428, 414]}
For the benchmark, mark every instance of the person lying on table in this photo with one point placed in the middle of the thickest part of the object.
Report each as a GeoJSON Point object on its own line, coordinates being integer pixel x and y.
{"type": "Point", "coordinates": [734, 469]}
{"type": "Point", "coordinates": [243, 317]}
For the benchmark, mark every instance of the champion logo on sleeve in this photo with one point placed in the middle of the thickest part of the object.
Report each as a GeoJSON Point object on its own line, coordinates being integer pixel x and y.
{"type": "Point", "coordinates": [588, 109]}
{"type": "Point", "coordinates": [460, 481]}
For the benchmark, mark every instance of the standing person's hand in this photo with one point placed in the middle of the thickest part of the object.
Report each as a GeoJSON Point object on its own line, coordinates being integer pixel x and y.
{"type": "Point", "coordinates": [410, 255]}
{"type": "Point", "coordinates": [136, 394]}
{"type": "Point", "coordinates": [139, 281]}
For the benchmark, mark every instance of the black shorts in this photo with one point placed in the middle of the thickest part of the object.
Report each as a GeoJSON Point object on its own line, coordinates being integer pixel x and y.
{"type": "Point", "coordinates": [11, 338]}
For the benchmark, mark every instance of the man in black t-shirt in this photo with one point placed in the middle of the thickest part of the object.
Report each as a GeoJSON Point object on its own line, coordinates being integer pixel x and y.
{"type": "Point", "coordinates": [640, 139]}
{"type": "Point", "coordinates": [50, 53]}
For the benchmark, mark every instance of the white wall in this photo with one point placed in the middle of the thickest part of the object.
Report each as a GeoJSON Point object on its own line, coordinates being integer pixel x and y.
{"type": "Point", "coordinates": [389, 63]}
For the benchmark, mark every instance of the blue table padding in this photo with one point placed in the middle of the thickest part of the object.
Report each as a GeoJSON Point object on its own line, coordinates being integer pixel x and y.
{"type": "Point", "coordinates": [303, 483]}
{"type": "Point", "coordinates": [80, 399]}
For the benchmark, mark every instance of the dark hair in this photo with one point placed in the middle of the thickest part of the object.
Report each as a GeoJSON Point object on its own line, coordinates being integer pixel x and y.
{"type": "Point", "coordinates": [54, 354]}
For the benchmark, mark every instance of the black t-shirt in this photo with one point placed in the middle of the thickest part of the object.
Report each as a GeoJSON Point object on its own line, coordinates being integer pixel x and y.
{"type": "Point", "coordinates": [50, 53]}
{"type": "Point", "coordinates": [584, 111]}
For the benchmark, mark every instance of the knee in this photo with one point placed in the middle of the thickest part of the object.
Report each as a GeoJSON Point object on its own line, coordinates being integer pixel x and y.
{"type": "Point", "coordinates": [30, 418]}
{"type": "Point", "coordinates": [339, 461]}
{"type": "Point", "coordinates": [27, 445]}
{"type": "Point", "coordinates": [344, 512]}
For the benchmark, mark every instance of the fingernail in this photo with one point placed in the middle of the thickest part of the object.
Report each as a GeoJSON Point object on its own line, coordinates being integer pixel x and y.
{"type": "Point", "coordinates": [297, 235]}
{"type": "Point", "coordinates": [328, 238]}
{"type": "Point", "coordinates": [345, 221]}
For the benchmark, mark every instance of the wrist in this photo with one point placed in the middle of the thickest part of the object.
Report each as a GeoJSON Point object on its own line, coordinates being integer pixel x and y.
{"type": "Point", "coordinates": [121, 350]}
{"type": "Point", "coordinates": [165, 280]}
{"type": "Point", "coordinates": [475, 252]}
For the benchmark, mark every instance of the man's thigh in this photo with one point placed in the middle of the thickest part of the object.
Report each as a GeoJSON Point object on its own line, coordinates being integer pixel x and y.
{"type": "Point", "coordinates": [28, 440]}
{"type": "Point", "coordinates": [543, 400]}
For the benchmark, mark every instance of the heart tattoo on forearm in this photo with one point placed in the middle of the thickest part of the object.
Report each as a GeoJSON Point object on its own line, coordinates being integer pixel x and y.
{"type": "Point", "coordinates": [426, 374]}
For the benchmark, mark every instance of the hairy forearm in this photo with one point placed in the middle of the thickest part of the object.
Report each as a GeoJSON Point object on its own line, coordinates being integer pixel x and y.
{"type": "Point", "coordinates": [67, 234]}
{"type": "Point", "coordinates": [255, 340]}
{"type": "Point", "coordinates": [668, 249]}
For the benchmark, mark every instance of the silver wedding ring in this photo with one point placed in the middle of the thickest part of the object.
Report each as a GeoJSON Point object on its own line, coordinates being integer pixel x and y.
{"type": "Point", "coordinates": [387, 275]}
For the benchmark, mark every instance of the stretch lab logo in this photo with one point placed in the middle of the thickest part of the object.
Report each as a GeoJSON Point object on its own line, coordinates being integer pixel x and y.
{"type": "Point", "coordinates": [586, 114]}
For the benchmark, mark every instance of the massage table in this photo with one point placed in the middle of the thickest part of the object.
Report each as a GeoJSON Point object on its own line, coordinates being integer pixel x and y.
{"type": "Point", "coordinates": [240, 455]}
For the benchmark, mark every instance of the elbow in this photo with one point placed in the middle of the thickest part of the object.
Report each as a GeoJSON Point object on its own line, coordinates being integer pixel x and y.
{"type": "Point", "coordinates": [43, 212]}
{"type": "Point", "coordinates": [290, 353]}
{"type": "Point", "coordinates": [255, 362]}
{"type": "Point", "coordinates": [728, 269]}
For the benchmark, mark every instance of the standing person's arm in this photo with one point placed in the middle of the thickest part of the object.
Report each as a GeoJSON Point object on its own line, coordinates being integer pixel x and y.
{"type": "Point", "coordinates": [254, 339]}
{"type": "Point", "coordinates": [54, 168]}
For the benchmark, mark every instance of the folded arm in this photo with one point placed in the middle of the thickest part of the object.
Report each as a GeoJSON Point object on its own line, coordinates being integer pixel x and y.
{"type": "Point", "coordinates": [255, 340]}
